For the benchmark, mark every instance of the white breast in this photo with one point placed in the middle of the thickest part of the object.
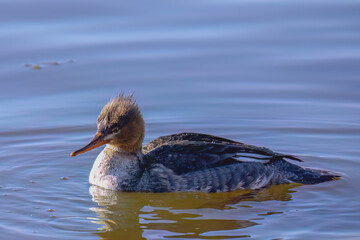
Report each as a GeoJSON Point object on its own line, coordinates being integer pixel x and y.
{"type": "Point", "coordinates": [111, 168]}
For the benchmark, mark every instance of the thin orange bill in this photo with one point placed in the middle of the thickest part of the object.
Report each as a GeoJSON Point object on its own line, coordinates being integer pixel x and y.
{"type": "Point", "coordinates": [97, 141]}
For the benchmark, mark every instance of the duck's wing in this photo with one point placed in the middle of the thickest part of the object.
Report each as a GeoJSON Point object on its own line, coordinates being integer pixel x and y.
{"type": "Point", "coordinates": [193, 137]}
{"type": "Point", "coordinates": [187, 152]}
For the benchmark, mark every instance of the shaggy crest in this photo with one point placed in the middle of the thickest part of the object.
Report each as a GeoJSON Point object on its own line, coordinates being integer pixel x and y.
{"type": "Point", "coordinates": [117, 113]}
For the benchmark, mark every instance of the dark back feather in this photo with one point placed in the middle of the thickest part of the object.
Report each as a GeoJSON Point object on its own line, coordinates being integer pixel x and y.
{"type": "Point", "coordinates": [188, 152]}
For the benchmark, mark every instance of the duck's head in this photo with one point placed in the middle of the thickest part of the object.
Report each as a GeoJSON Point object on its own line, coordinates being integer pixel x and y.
{"type": "Point", "coordinates": [120, 124]}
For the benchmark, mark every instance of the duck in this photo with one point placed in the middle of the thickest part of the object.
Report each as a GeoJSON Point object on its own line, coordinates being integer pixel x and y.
{"type": "Point", "coordinates": [183, 162]}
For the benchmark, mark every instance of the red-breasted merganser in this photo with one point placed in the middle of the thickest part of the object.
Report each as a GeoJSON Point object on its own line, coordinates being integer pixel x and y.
{"type": "Point", "coordinates": [182, 162]}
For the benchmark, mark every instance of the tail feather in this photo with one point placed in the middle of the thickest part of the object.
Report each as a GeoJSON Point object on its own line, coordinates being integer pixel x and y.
{"type": "Point", "coordinates": [314, 176]}
{"type": "Point", "coordinates": [298, 174]}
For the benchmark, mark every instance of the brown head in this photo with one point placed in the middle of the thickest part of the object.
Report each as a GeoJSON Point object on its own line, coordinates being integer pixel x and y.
{"type": "Point", "coordinates": [121, 124]}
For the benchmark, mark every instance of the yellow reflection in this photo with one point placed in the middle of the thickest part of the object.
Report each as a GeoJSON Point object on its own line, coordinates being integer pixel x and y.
{"type": "Point", "coordinates": [181, 215]}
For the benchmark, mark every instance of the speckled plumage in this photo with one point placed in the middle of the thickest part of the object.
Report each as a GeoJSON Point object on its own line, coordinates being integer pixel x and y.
{"type": "Point", "coordinates": [185, 161]}
{"type": "Point", "coordinates": [176, 164]}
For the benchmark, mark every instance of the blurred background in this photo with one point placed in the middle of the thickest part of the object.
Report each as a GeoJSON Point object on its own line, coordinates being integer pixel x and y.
{"type": "Point", "coordinates": [280, 74]}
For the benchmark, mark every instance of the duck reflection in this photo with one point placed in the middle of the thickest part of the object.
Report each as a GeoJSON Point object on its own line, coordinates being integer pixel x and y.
{"type": "Point", "coordinates": [182, 215]}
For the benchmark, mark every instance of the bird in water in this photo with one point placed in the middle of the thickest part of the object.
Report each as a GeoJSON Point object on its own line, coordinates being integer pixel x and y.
{"type": "Point", "coordinates": [185, 161]}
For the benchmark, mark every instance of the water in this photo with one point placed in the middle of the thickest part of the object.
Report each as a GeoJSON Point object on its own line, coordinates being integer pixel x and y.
{"type": "Point", "coordinates": [281, 74]}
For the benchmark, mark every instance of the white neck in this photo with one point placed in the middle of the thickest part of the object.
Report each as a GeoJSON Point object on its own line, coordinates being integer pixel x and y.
{"type": "Point", "coordinates": [116, 169]}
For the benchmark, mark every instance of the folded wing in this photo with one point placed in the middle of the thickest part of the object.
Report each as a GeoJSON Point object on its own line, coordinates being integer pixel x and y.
{"type": "Point", "coordinates": [188, 152]}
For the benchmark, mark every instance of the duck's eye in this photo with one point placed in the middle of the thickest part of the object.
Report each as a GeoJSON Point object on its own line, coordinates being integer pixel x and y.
{"type": "Point", "coordinates": [115, 129]}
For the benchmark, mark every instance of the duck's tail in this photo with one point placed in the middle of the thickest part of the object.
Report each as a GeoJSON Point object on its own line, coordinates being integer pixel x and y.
{"type": "Point", "coordinates": [314, 176]}
{"type": "Point", "coordinates": [298, 174]}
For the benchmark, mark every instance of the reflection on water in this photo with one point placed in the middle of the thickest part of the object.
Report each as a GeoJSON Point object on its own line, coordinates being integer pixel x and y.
{"type": "Point", "coordinates": [179, 215]}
